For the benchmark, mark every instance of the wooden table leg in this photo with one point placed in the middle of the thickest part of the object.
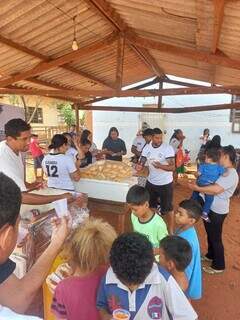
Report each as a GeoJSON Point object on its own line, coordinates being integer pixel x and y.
{"type": "Point", "coordinates": [121, 223]}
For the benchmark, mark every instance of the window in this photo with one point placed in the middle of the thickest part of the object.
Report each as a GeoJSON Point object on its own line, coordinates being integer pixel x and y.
{"type": "Point", "coordinates": [38, 115]}
{"type": "Point", "coordinates": [235, 115]}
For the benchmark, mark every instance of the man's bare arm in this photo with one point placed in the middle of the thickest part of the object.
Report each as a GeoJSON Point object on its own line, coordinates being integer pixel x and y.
{"type": "Point", "coordinates": [167, 167]}
{"type": "Point", "coordinates": [31, 198]}
{"type": "Point", "coordinates": [17, 294]}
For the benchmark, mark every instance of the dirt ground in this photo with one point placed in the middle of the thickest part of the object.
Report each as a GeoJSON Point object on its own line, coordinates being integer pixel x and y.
{"type": "Point", "coordinates": [220, 292]}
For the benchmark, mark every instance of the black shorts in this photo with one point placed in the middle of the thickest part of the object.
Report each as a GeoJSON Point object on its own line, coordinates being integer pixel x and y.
{"type": "Point", "coordinates": [38, 162]}
{"type": "Point", "coordinates": [163, 193]}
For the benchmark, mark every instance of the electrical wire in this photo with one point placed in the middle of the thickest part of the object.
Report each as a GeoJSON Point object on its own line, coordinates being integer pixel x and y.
{"type": "Point", "coordinates": [72, 18]}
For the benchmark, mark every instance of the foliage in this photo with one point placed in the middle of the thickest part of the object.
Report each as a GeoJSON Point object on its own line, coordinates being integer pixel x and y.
{"type": "Point", "coordinates": [14, 100]}
{"type": "Point", "coordinates": [67, 113]}
{"type": "Point", "coordinates": [82, 117]}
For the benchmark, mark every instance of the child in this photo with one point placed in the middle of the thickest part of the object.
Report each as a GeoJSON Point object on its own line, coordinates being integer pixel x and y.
{"type": "Point", "coordinates": [144, 220]}
{"type": "Point", "coordinates": [175, 256]}
{"type": "Point", "coordinates": [208, 173]}
{"type": "Point", "coordinates": [137, 284]}
{"type": "Point", "coordinates": [188, 213]}
{"type": "Point", "coordinates": [37, 154]}
{"type": "Point", "coordinates": [87, 251]}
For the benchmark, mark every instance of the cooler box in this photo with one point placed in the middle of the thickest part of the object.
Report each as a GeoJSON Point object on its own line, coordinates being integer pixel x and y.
{"type": "Point", "coordinates": [105, 190]}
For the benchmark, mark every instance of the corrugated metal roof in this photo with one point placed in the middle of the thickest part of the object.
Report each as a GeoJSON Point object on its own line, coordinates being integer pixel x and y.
{"type": "Point", "coordinates": [46, 27]}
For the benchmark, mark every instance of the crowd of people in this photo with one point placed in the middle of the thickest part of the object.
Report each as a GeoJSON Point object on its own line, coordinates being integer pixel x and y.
{"type": "Point", "coordinates": [153, 272]}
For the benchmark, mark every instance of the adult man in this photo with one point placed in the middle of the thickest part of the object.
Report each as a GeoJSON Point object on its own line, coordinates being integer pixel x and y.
{"type": "Point", "coordinates": [17, 294]}
{"type": "Point", "coordinates": [140, 142]}
{"type": "Point", "coordinates": [160, 157]}
{"type": "Point", "coordinates": [18, 134]}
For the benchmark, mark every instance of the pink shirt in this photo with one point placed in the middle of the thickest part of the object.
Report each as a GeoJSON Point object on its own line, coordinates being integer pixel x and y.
{"type": "Point", "coordinates": [34, 148]}
{"type": "Point", "coordinates": [75, 297]}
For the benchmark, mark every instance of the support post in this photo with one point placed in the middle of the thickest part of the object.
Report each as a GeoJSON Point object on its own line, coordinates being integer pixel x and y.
{"type": "Point", "coordinates": [77, 117]}
{"type": "Point", "coordinates": [160, 97]}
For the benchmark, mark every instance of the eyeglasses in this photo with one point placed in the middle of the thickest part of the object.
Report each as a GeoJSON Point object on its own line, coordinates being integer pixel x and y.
{"type": "Point", "coordinates": [23, 139]}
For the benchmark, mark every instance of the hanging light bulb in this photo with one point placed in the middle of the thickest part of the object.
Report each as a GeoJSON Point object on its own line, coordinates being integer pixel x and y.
{"type": "Point", "coordinates": [74, 43]}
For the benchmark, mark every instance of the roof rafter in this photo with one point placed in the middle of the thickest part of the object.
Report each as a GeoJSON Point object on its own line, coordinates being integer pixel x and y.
{"type": "Point", "coordinates": [115, 20]}
{"type": "Point", "coordinates": [218, 21]}
{"type": "Point", "coordinates": [48, 65]}
{"type": "Point", "coordinates": [45, 58]}
{"type": "Point", "coordinates": [120, 61]}
{"type": "Point", "coordinates": [197, 55]}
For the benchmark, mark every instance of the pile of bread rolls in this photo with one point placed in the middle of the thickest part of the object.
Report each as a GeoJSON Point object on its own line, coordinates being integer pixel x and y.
{"type": "Point", "coordinates": [107, 170]}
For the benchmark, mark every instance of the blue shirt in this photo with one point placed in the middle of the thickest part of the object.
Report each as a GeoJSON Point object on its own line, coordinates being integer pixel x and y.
{"type": "Point", "coordinates": [210, 172]}
{"type": "Point", "coordinates": [159, 297]}
{"type": "Point", "coordinates": [193, 271]}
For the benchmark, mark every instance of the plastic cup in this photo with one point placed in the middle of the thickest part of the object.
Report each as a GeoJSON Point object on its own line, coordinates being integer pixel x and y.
{"type": "Point", "coordinates": [61, 208]}
{"type": "Point", "coordinates": [121, 314]}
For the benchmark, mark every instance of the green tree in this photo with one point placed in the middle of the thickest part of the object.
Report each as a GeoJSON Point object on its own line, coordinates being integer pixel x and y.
{"type": "Point", "coordinates": [68, 113]}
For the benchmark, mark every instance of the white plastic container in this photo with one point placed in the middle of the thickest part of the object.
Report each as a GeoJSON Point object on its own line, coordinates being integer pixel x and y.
{"type": "Point", "coordinates": [105, 190]}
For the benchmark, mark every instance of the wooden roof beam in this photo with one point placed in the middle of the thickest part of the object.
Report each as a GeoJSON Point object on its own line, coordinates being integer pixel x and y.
{"type": "Point", "coordinates": [45, 58]}
{"type": "Point", "coordinates": [70, 57]}
{"type": "Point", "coordinates": [114, 19]}
{"type": "Point", "coordinates": [164, 110]}
{"type": "Point", "coordinates": [148, 59]}
{"type": "Point", "coordinates": [78, 93]}
{"type": "Point", "coordinates": [182, 83]}
{"type": "Point", "coordinates": [139, 86]}
{"type": "Point", "coordinates": [120, 61]}
{"type": "Point", "coordinates": [197, 55]}
{"type": "Point", "coordinates": [218, 21]}
{"type": "Point", "coordinates": [64, 98]}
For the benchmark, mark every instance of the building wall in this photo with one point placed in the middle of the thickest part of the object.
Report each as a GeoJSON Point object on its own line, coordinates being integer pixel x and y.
{"type": "Point", "coordinates": [7, 113]}
{"type": "Point", "coordinates": [192, 124]}
{"type": "Point", "coordinates": [50, 112]}
{"type": "Point", "coordinates": [128, 124]}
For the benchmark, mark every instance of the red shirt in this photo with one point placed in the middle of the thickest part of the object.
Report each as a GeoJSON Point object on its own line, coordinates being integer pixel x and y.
{"type": "Point", "coordinates": [34, 148]}
{"type": "Point", "coordinates": [75, 297]}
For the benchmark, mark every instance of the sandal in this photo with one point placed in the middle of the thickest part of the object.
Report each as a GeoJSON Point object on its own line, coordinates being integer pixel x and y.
{"type": "Point", "coordinates": [210, 270]}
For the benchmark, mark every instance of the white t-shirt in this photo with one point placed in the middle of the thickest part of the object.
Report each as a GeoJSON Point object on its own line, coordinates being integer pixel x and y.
{"type": "Point", "coordinates": [158, 177]}
{"type": "Point", "coordinates": [8, 314]}
{"type": "Point", "coordinates": [139, 142]}
{"type": "Point", "coordinates": [228, 182]}
{"type": "Point", "coordinates": [11, 165]}
{"type": "Point", "coordinates": [58, 168]}
{"type": "Point", "coordinates": [72, 153]}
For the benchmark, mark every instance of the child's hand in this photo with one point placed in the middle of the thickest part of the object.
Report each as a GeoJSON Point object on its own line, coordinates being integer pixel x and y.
{"type": "Point", "coordinates": [60, 231]}
{"type": "Point", "coordinates": [62, 272]}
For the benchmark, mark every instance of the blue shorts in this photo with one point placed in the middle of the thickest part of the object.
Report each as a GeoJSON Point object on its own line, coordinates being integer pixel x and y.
{"type": "Point", "coordinates": [38, 162]}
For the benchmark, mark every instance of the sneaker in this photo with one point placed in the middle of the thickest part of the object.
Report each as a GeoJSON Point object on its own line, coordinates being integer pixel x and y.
{"type": "Point", "coordinates": [211, 270]}
{"type": "Point", "coordinates": [158, 210]}
{"type": "Point", "coordinates": [204, 258]}
{"type": "Point", "coordinates": [205, 217]}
